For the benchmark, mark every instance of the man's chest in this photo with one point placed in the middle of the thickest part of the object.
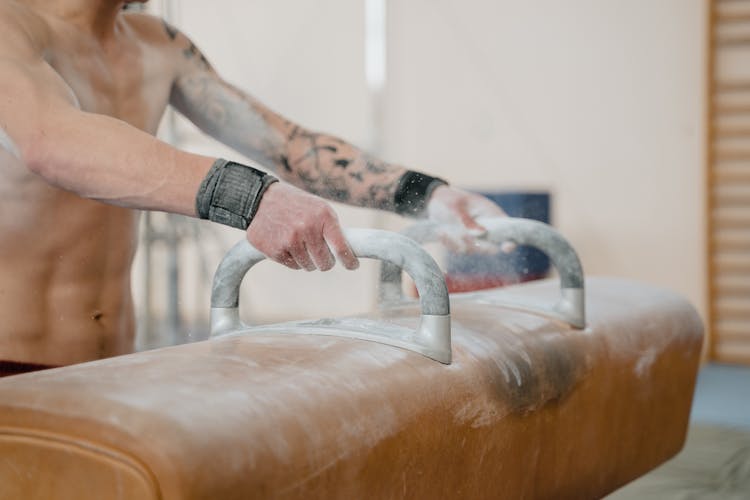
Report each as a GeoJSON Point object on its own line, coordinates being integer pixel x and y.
{"type": "Point", "coordinates": [129, 83]}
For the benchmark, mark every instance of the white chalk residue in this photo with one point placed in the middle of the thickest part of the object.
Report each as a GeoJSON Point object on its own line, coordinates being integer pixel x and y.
{"type": "Point", "coordinates": [343, 327]}
{"type": "Point", "coordinates": [282, 395]}
{"type": "Point", "coordinates": [645, 361]}
{"type": "Point", "coordinates": [8, 145]}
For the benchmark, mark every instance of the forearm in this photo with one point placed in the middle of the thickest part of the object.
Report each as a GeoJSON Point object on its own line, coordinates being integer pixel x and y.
{"type": "Point", "coordinates": [330, 167]}
{"type": "Point", "coordinates": [318, 163]}
{"type": "Point", "coordinates": [102, 158]}
{"type": "Point", "coordinates": [336, 170]}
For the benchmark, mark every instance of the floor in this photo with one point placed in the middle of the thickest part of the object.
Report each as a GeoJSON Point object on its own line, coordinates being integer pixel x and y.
{"type": "Point", "coordinates": [722, 396]}
{"type": "Point", "coordinates": [715, 463]}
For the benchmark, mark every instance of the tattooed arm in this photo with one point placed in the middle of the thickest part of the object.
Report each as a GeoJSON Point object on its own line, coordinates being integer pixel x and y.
{"type": "Point", "coordinates": [318, 163]}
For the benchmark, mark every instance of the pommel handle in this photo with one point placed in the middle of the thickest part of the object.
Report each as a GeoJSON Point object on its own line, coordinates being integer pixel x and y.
{"type": "Point", "coordinates": [571, 305]}
{"type": "Point", "coordinates": [433, 336]}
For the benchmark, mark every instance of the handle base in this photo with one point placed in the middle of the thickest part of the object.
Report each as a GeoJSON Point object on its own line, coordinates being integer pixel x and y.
{"type": "Point", "coordinates": [224, 320]}
{"type": "Point", "coordinates": [432, 337]}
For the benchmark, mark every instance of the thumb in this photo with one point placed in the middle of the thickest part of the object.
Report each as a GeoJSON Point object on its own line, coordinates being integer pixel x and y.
{"type": "Point", "coordinates": [474, 228]}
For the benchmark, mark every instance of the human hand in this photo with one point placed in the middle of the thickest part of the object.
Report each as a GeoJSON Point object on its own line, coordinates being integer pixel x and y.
{"type": "Point", "coordinates": [457, 212]}
{"type": "Point", "coordinates": [299, 230]}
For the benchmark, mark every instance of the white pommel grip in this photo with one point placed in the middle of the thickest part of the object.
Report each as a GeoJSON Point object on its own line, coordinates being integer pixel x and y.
{"type": "Point", "coordinates": [432, 337]}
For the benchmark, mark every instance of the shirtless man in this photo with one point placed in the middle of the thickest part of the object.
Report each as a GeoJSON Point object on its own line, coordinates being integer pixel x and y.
{"type": "Point", "coordinates": [83, 86]}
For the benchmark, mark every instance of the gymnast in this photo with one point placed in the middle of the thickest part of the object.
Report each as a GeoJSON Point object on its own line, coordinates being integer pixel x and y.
{"type": "Point", "coordinates": [83, 87]}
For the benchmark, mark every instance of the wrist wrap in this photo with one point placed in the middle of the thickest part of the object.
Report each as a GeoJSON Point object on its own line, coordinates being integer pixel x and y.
{"type": "Point", "coordinates": [231, 192]}
{"type": "Point", "coordinates": [413, 192]}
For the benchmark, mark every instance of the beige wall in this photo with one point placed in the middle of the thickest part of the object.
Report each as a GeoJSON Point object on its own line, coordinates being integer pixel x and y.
{"type": "Point", "coordinates": [599, 101]}
{"type": "Point", "coordinates": [305, 61]}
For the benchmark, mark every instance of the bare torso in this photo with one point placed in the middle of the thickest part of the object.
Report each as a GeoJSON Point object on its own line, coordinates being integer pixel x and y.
{"type": "Point", "coordinates": [65, 273]}
{"type": "Point", "coordinates": [64, 279]}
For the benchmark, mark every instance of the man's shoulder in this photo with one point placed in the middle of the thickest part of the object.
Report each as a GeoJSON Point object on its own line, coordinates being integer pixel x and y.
{"type": "Point", "coordinates": [14, 11]}
{"type": "Point", "coordinates": [150, 28]}
{"type": "Point", "coordinates": [21, 28]}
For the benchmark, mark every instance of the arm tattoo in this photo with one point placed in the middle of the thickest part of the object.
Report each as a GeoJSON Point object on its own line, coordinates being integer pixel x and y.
{"type": "Point", "coordinates": [321, 164]}
{"type": "Point", "coordinates": [331, 168]}
{"type": "Point", "coordinates": [189, 51]}
{"type": "Point", "coordinates": [171, 31]}
{"type": "Point", "coordinates": [192, 52]}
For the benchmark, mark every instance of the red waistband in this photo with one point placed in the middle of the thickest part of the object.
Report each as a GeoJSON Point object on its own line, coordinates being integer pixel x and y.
{"type": "Point", "coordinates": [8, 368]}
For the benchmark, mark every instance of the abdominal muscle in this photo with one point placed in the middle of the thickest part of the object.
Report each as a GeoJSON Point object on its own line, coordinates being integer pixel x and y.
{"type": "Point", "coordinates": [64, 272]}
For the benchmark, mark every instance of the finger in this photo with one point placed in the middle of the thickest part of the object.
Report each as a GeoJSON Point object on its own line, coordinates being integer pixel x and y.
{"type": "Point", "coordinates": [477, 246]}
{"type": "Point", "coordinates": [482, 208]}
{"type": "Point", "coordinates": [287, 260]}
{"type": "Point", "coordinates": [301, 256]}
{"type": "Point", "coordinates": [282, 257]}
{"type": "Point", "coordinates": [485, 247]}
{"type": "Point", "coordinates": [456, 238]}
{"type": "Point", "coordinates": [321, 254]}
{"type": "Point", "coordinates": [452, 242]}
{"type": "Point", "coordinates": [335, 238]}
{"type": "Point", "coordinates": [474, 228]}
{"type": "Point", "coordinates": [469, 243]}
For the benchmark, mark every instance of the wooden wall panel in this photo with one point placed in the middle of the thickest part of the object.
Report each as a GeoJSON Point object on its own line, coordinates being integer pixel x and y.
{"type": "Point", "coordinates": [728, 180]}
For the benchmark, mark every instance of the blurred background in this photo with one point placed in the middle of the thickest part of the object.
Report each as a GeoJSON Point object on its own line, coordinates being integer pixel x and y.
{"type": "Point", "coordinates": [599, 104]}
{"type": "Point", "coordinates": [630, 118]}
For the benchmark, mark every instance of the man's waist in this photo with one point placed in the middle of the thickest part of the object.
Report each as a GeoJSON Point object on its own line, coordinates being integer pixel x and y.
{"type": "Point", "coordinates": [10, 368]}
{"type": "Point", "coordinates": [61, 336]}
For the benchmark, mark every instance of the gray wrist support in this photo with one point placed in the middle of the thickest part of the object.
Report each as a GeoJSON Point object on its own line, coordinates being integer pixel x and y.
{"type": "Point", "coordinates": [231, 192]}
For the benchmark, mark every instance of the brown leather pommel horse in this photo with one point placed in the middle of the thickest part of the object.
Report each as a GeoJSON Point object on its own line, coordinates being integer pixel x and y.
{"type": "Point", "coordinates": [531, 400]}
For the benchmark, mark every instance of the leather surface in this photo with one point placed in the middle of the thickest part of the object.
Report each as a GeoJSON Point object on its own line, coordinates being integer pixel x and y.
{"type": "Point", "coordinates": [45, 466]}
{"type": "Point", "coordinates": [529, 408]}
